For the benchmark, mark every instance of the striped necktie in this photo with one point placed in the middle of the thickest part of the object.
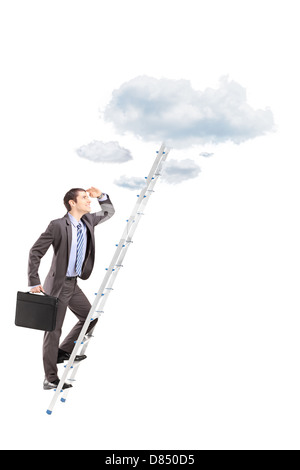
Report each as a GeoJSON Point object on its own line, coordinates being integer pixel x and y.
{"type": "Point", "coordinates": [79, 255]}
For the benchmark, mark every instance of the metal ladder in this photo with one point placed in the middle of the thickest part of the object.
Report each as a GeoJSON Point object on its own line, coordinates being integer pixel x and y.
{"type": "Point", "coordinates": [110, 277]}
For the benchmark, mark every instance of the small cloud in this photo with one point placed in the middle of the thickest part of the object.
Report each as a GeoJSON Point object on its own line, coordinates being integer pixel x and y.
{"type": "Point", "coordinates": [174, 112]}
{"type": "Point", "coordinates": [175, 172]}
{"type": "Point", "coordinates": [130, 182]}
{"type": "Point", "coordinates": [206, 154]}
{"type": "Point", "coordinates": [104, 152]}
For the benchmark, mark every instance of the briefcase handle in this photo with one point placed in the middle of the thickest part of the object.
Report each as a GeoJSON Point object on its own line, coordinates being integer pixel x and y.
{"type": "Point", "coordinates": [41, 292]}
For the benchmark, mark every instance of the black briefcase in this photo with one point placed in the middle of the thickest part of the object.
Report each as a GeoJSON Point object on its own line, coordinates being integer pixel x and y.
{"type": "Point", "coordinates": [36, 311]}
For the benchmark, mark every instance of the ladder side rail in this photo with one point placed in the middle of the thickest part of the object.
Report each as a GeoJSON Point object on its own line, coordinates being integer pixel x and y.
{"type": "Point", "coordinates": [123, 253]}
{"type": "Point", "coordinates": [151, 181]}
{"type": "Point", "coordinates": [131, 221]}
{"type": "Point", "coordinates": [151, 174]}
{"type": "Point", "coordinates": [126, 236]}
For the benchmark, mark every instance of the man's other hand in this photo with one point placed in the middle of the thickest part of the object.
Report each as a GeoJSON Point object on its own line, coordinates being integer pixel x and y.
{"type": "Point", "coordinates": [37, 290]}
{"type": "Point", "coordinates": [94, 192]}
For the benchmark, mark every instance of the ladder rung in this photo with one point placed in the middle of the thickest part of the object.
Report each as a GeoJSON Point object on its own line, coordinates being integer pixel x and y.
{"type": "Point", "coordinates": [99, 313]}
{"type": "Point", "coordinates": [75, 364]}
{"type": "Point", "coordinates": [86, 339]}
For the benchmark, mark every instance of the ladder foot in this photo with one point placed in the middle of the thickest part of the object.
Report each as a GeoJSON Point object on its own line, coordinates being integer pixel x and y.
{"type": "Point", "coordinates": [63, 400]}
{"type": "Point", "coordinates": [49, 412]}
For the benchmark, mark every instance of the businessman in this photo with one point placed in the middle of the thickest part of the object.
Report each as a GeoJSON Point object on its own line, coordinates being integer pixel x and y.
{"type": "Point", "coordinates": [73, 241]}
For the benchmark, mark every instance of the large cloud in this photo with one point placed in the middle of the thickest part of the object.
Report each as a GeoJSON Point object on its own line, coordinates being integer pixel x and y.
{"type": "Point", "coordinates": [104, 152]}
{"type": "Point", "coordinates": [173, 112]}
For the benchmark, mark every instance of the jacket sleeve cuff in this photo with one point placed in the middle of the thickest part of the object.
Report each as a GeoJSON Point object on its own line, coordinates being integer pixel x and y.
{"type": "Point", "coordinates": [103, 198]}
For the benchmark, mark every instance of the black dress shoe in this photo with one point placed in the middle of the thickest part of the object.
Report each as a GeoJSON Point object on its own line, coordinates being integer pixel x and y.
{"type": "Point", "coordinates": [64, 356]}
{"type": "Point", "coordinates": [52, 385]}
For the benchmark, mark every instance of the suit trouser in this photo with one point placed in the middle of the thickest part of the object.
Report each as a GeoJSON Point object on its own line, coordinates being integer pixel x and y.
{"type": "Point", "coordinates": [71, 296]}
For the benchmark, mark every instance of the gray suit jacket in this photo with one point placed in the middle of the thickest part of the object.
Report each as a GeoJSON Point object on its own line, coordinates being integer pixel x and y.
{"type": "Point", "coordinates": [59, 235]}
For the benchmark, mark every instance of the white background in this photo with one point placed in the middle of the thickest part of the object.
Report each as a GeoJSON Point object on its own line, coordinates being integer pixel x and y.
{"type": "Point", "coordinates": [199, 345]}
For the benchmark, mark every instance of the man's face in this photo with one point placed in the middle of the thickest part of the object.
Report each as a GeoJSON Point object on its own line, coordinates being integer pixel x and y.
{"type": "Point", "coordinates": [83, 203]}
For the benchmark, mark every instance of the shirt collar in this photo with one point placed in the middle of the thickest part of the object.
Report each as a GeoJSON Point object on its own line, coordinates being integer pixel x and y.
{"type": "Point", "coordinates": [74, 221]}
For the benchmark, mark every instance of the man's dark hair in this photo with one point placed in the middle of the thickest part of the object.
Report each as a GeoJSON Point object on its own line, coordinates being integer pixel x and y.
{"type": "Point", "coordinates": [71, 195]}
